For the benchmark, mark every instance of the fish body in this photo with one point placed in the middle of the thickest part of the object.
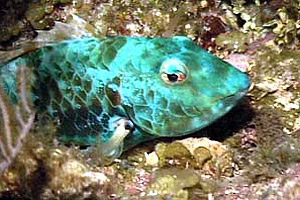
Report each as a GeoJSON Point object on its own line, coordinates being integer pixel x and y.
{"type": "Point", "coordinates": [120, 91]}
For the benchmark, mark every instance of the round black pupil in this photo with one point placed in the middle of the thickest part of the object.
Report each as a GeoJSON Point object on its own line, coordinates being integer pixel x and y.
{"type": "Point", "coordinates": [172, 77]}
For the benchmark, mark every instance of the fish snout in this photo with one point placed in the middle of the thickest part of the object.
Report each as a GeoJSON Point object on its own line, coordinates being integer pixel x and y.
{"type": "Point", "coordinates": [238, 83]}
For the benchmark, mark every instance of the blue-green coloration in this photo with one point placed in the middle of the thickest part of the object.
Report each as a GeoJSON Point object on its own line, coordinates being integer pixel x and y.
{"type": "Point", "coordinates": [109, 89]}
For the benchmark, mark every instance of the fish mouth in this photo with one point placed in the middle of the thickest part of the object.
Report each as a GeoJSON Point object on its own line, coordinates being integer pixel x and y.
{"type": "Point", "coordinates": [235, 96]}
{"type": "Point", "coordinates": [241, 89]}
{"type": "Point", "coordinates": [239, 94]}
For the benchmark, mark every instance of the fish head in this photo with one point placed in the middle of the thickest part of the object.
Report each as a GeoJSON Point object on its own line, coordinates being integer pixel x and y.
{"type": "Point", "coordinates": [172, 87]}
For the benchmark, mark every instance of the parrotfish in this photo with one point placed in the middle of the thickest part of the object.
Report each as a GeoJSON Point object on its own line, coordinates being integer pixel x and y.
{"type": "Point", "coordinates": [120, 91]}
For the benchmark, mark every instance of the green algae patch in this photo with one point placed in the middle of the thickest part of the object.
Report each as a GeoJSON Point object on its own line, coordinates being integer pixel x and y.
{"type": "Point", "coordinates": [172, 151]}
{"type": "Point", "coordinates": [234, 41]}
{"type": "Point", "coordinates": [202, 155]}
{"type": "Point", "coordinates": [173, 183]}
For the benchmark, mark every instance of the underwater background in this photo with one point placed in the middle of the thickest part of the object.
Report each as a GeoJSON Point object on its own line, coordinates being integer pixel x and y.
{"type": "Point", "coordinates": [253, 152]}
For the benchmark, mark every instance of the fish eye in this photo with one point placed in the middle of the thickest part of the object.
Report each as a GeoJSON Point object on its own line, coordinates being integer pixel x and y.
{"type": "Point", "coordinates": [172, 77]}
{"type": "Point", "coordinates": [173, 71]}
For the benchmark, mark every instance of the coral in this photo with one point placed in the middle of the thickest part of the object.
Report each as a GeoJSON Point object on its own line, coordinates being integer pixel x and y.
{"type": "Point", "coordinates": [20, 19]}
{"type": "Point", "coordinates": [140, 183]}
{"type": "Point", "coordinates": [285, 186]}
{"type": "Point", "coordinates": [249, 137]}
{"type": "Point", "coordinates": [210, 156]}
{"type": "Point", "coordinates": [261, 37]}
{"type": "Point", "coordinates": [276, 82]}
{"type": "Point", "coordinates": [15, 122]}
{"type": "Point", "coordinates": [258, 18]}
{"type": "Point", "coordinates": [287, 24]}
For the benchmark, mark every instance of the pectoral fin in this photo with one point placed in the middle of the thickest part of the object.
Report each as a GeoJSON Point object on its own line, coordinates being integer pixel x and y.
{"type": "Point", "coordinates": [113, 147]}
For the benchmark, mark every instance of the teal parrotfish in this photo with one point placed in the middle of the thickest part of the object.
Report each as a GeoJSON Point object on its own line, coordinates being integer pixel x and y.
{"type": "Point", "coordinates": [121, 91]}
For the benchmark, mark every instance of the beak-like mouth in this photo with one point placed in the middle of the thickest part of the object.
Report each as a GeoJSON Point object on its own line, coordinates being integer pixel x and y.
{"type": "Point", "coordinates": [234, 96]}
{"type": "Point", "coordinates": [239, 94]}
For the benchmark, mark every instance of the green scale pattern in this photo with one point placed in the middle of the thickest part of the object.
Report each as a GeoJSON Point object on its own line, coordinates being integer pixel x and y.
{"type": "Point", "coordinates": [158, 86]}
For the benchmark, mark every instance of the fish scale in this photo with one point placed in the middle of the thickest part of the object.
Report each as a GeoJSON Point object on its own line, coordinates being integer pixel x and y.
{"type": "Point", "coordinates": [120, 91]}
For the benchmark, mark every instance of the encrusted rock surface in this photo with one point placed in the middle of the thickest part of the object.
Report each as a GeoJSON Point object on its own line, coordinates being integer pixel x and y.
{"type": "Point", "coordinates": [252, 153]}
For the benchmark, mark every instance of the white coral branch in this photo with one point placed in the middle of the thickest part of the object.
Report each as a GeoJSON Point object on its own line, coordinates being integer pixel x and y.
{"type": "Point", "coordinates": [10, 149]}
